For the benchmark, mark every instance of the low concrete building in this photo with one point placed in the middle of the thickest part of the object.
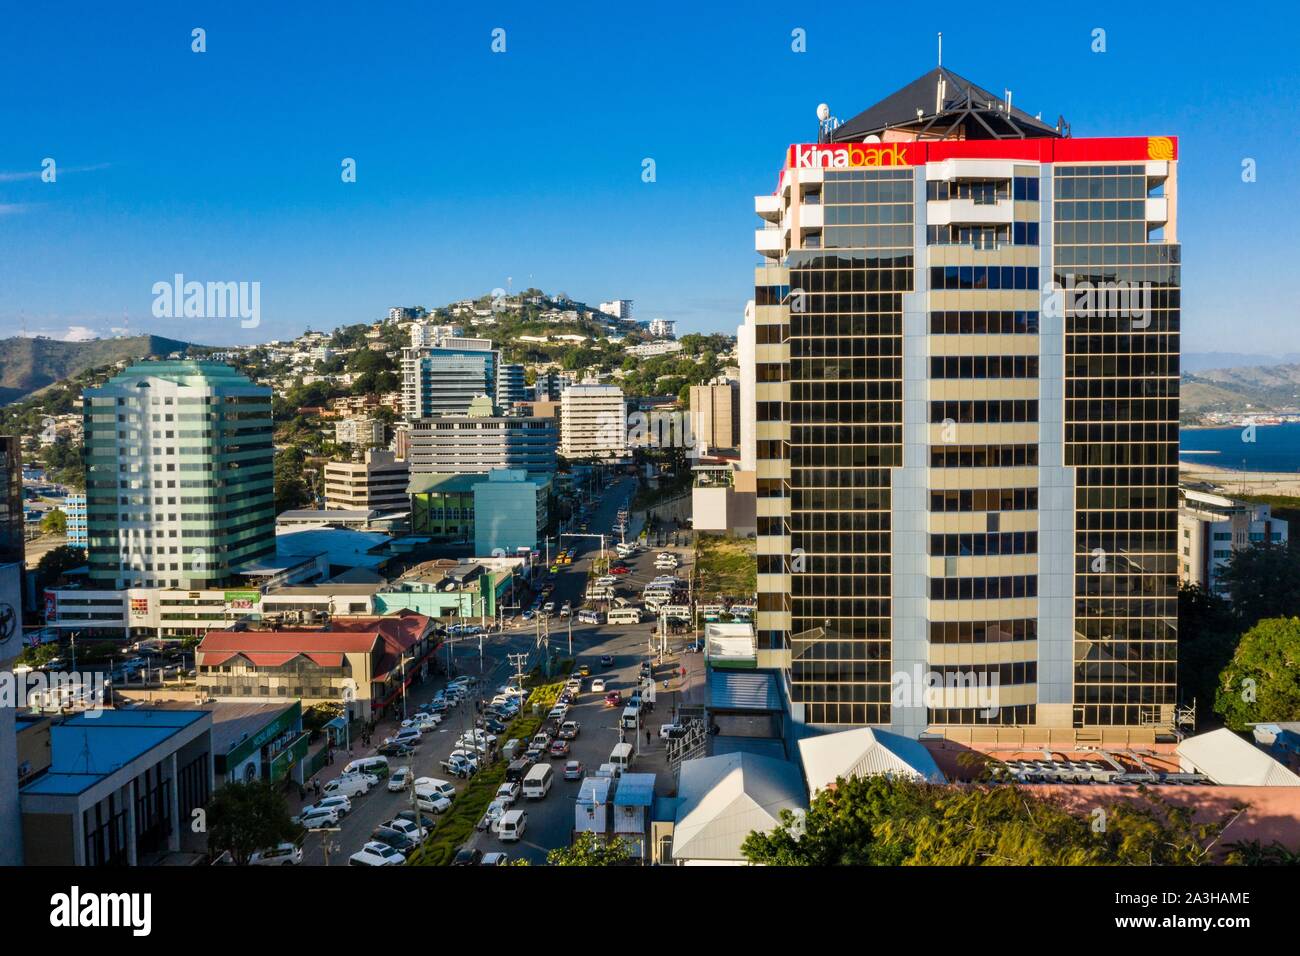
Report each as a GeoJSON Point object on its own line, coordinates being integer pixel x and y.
{"type": "Point", "coordinates": [1211, 528]}
{"type": "Point", "coordinates": [120, 788]}
{"type": "Point", "coordinates": [376, 484]}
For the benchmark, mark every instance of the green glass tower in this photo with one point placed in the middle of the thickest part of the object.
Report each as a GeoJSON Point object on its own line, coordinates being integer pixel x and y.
{"type": "Point", "coordinates": [179, 486]}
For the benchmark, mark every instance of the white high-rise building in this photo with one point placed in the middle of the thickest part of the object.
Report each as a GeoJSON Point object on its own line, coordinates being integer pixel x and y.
{"type": "Point", "coordinates": [620, 309]}
{"type": "Point", "coordinates": [593, 422]}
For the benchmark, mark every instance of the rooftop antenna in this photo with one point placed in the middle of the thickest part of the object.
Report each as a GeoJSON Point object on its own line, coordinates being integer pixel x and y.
{"type": "Point", "coordinates": [941, 49]}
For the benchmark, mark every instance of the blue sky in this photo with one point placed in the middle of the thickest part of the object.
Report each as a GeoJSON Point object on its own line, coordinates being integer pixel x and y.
{"type": "Point", "coordinates": [475, 167]}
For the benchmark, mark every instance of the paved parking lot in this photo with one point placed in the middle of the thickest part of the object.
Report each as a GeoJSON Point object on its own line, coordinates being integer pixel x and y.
{"type": "Point", "coordinates": [550, 821]}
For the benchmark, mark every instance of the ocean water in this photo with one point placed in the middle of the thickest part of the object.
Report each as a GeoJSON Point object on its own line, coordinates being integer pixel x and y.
{"type": "Point", "coordinates": [1275, 448]}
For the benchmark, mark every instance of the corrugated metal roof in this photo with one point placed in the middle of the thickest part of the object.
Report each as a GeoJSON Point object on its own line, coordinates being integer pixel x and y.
{"type": "Point", "coordinates": [724, 799]}
{"type": "Point", "coordinates": [865, 752]}
{"type": "Point", "coordinates": [743, 690]}
{"type": "Point", "coordinates": [635, 790]}
{"type": "Point", "coordinates": [1230, 761]}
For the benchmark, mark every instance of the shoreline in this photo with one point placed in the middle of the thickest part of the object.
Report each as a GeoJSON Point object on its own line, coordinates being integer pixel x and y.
{"type": "Point", "coordinates": [1234, 480]}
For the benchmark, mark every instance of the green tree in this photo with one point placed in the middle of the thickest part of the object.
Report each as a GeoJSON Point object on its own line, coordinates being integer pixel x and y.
{"type": "Point", "coordinates": [587, 850]}
{"type": "Point", "coordinates": [245, 817]}
{"type": "Point", "coordinates": [56, 562]}
{"type": "Point", "coordinates": [1264, 582]}
{"type": "Point", "coordinates": [1262, 681]}
{"type": "Point", "coordinates": [290, 489]}
{"type": "Point", "coordinates": [1207, 635]}
{"type": "Point", "coordinates": [54, 522]}
{"type": "Point", "coordinates": [879, 821]}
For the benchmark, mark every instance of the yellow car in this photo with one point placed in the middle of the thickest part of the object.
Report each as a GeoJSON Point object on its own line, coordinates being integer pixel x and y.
{"type": "Point", "coordinates": [584, 671]}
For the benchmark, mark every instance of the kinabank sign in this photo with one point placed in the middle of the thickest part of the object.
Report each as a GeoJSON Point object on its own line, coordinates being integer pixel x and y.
{"type": "Point", "coordinates": [854, 155]}
{"type": "Point", "coordinates": [1121, 149]}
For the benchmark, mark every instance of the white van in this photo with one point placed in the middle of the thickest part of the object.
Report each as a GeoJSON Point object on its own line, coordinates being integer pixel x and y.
{"type": "Point", "coordinates": [620, 758]}
{"type": "Point", "coordinates": [625, 615]}
{"type": "Point", "coordinates": [348, 785]}
{"type": "Point", "coordinates": [588, 617]}
{"type": "Point", "coordinates": [629, 719]}
{"type": "Point", "coordinates": [378, 766]}
{"type": "Point", "coordinates": [538, 782]}
{"type": "Point", "coordinates": [440, 787]}
{"type": "Point", "coordinates": [512, 824]}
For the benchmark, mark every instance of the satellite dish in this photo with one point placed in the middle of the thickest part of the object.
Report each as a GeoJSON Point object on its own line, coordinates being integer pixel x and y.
{"type": "Point", "coordinates": [823, 112]}
{"type": "Point", "coordinates": [872, 138]}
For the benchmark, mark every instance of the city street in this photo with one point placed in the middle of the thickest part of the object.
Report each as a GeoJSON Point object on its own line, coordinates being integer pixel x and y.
{"type": "Point", "coordinates": [550, 821]}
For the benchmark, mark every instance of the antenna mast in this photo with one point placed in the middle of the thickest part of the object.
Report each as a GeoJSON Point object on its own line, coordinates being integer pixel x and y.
{"type": "Point", "coordinates": [941, 49]}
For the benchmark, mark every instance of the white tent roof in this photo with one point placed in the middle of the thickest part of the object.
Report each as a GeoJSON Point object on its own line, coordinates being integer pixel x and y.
{"type": "Point", "coordinates": [865, 752]}
{"type": "Point", "coordinates": [723, 799]}
{"type": "Point", "coordinates": [1229, 761]}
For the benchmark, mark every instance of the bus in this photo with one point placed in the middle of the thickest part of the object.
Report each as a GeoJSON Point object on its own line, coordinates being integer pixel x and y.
{"type": "Point", "coordinates": [625, 615]}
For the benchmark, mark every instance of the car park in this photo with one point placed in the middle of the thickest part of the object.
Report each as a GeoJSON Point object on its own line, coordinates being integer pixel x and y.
{"type": "Point", "coordinates": [573, 770]}
{"type": "Point", "coordinates": [376, 854]}
{"type": "Point", "coordinates": [283, 854]}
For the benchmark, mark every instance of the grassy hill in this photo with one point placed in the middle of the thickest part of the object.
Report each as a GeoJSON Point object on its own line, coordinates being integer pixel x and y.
{"type": "Point", "coordinates": [29, 365]}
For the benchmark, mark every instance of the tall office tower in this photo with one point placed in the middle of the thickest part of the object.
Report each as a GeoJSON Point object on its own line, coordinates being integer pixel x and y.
{"type": "Point", "coordinates": [444, 379]}
{"type": "Point", "coordinates": [967, 403]}
{"type": "Point", "coordinates": [511, 388]}
{"type": "Point", "coordinates": [481, 441]}
{"type": "Point", "coordinates": [179, 488]}
{"type": "Point", "coordinates": [715, 415]}
{"type": "Point", "coordinates": [593, 422]}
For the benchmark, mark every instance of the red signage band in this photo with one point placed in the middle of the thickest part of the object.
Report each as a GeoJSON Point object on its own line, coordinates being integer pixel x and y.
{"type": "Point", "coordinates": [1124, 149]}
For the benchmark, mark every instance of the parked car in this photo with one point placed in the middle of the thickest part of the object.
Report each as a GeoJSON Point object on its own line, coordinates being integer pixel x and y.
{"type": "Point", "coordinates": [495, 811]}
{"type": "Point", "coordinates": [400, 780]}
{"type": "Point", "coordinates": [470, 856]}
{"type": "Point", "coordinates": [314, 818]}
{"type": "Point", "coordinates": [671, 731]}
{"type": "Point", "coordinates": [396, 839]}
{"type": "Point", "coordinates": [396, 750]}
{"type": "Point", "coordinates": [376, 854]}
{"type": "Point", "coordinates": [413, 830]}
{"type": "Point", "coordinates": [494, 859]}
{"type": "Point", "coordinates": [573, 770]}
{"type": "Point", "coordinates": [508, 792]}
{"type": "Point", "coordinates": [282, 854]}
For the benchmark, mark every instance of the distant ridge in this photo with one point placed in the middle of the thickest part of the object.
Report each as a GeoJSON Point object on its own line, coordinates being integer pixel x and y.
{"type": "Point", "coordinates": [28, 365]}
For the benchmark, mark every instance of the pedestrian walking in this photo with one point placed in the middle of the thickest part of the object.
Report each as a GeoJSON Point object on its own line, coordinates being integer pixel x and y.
{"type": "Point", "coordinates": [647, 737]}
{"type": "Point", "coordinates": [315, 785]}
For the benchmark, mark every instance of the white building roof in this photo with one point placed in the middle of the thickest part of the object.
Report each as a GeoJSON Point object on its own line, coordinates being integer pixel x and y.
{"type": "Point", "coordinates": [1230, 761]}
{"type": "Point", "coordinates": [723, 799]}
{"type": "Point", "coordinates": [729, 642]}
{"type": "Point", "coordinates": [865, 752]}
